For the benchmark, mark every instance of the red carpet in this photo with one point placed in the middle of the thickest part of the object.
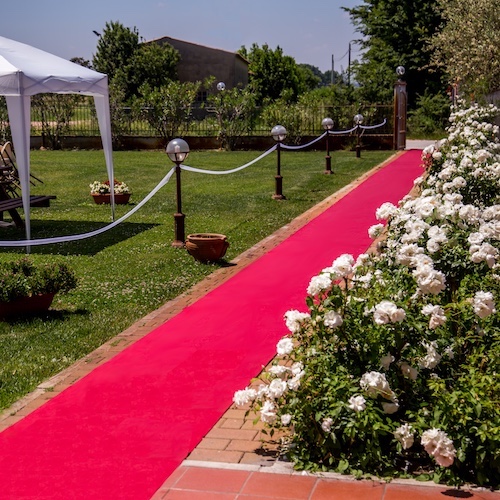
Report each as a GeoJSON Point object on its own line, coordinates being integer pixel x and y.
{"type": "Point", "coordinates": [123, 429]}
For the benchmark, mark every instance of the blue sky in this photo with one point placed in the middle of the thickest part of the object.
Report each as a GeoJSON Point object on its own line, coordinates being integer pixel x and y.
{"type": "Point", "coordinates": [309, 31]}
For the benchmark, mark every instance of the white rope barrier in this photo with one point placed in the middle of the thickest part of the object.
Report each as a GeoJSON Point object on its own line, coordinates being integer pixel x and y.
{"type": "Point", "coordinates": [302, 146]}
{"type": "Point", "coordinates": [224, 172]}
{"type": "Point", "coordinates": [368, 127]}
{"type": "Point", "coordinates": [75, 237]}
{"type": "Point", "coordinates": [340, 132]}
{"type": "Point", "coordinates": [163, 182]}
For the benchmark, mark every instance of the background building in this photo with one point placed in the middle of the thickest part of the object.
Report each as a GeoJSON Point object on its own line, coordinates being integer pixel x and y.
{"type": "Point", "coordinates": [199, 62]}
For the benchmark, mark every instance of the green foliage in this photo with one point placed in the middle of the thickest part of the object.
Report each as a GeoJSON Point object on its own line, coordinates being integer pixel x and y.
{"type": "Point", "coordinates": [272, 74]}
{"type": "Point", "coordinates": [167, 108]}
{"type": "Point", "coordinates": [115, 49]}
{"type": "Point", "coordinates": [235, 112]}
{"type": "Point", "coordinates": [23, 278]}
{"type": "Point", "coordinates": [289, 115]}
{"type": "Point", "coordinates": [56, 111]}
{"type": "Point", "coordinates": [395, 33]}
{"type": "Point", "coordinates": [430, 115]}
{"type": "Point", "coordinates": [153, 65]}
{"type": "Point", "coordinates": [5, 134]}
{"type": "Point", "coordinates": [468, 46]}
{"type": "Point", "coordinates": [130, 64]}
{"type": "Point", "coordinates": [311, 77]}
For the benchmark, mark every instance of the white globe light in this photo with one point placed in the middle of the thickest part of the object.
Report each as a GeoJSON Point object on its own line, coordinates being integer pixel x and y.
{"type": "Point", "coordinates": [327, 123]}
{"type": "Point", "coordinates": [177, 150]}
{"type": "Point", "coordinates": [358, 119]}
{"type": "Point", "coordinates": [279, 133]}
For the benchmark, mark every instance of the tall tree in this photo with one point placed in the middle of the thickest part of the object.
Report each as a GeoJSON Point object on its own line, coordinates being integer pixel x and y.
{"type": "Point", "coordinates": [115, 48]}
{"type": "Point", "coordinates": [273, 74]}
{"type": "Point", "coordinates": [130, 64]}
{"type": "Point", "coordinates": [468, 46]}
{"type": "Point", "coordinates": [394, 33]}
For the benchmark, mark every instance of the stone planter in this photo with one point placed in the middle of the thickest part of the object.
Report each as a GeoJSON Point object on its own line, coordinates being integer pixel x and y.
{"type": "Point", "coordinates": [25, 306]}
{"type": "Point", "coordinates": [120, 198]}
{"type": "Point", "coordinates": [207, 247]}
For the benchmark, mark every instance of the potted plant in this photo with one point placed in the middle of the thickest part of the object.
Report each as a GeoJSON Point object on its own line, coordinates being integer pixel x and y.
{"type": "Point", "coordinates": [207, 247]}
{"type": "Point", "coordinates": [101, 192]}
{"type": "Point", "coordinates": [27, 288]}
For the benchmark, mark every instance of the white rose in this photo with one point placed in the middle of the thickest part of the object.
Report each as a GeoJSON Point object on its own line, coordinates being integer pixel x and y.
{"type": "Point", "coordinates": [319, 284]}
{"type": "Point", "coordinates": [286, 419]}
{"type": "Point", "coordinates": [284, 346]}
{"type": "Point", "coordinates": [267, 413]}
{"type": "Point", "coordinates": [404, 435]}
{"type": "Point", "coordinates": [386, 360]}
{"type": "Point", "coordinates": [294, 320]}
{"type": "Point", "coordinates": [390, 408]}
{"type": "Point", "coordinates": [326, 425]}
{"type": "Point", "coordinates": [244, 396]}
{"type": "Point", "coordinates": [332, 319]}
{"type": "Point", "coordinates": [483, 304]}
{"type": "Point", "coordinates": [357, 403]}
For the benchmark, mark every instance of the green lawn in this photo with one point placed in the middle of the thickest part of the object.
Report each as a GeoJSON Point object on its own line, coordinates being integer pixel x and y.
{"type": "Point", "coordinates": [131, 270]}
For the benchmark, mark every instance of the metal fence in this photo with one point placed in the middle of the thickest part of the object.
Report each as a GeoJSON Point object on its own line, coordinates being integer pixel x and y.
{"type": "Point", "coordinates": [203, 123]}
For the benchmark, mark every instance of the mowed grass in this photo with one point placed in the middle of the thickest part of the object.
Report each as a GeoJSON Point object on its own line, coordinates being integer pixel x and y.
{"type": "Point", "coordinates": [132, 269]}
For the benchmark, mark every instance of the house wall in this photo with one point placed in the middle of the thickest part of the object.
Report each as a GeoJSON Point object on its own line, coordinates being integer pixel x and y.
{"type": "Point", "coordinates": [199, 62]}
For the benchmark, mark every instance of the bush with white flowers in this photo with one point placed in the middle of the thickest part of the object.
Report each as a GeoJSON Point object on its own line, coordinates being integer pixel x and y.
{"type": "Point", "coordinates": [394, 368]}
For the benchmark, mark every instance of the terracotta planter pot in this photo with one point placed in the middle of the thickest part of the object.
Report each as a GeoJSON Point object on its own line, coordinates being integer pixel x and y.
{"type": "Point", "coordinates": [207, 247]}
{"type": "Point", "coordinates": [26, 305]}
{"type": "Point", "coordinates": [120, 198]}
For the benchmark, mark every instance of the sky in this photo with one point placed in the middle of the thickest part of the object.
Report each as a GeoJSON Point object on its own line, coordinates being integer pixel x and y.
{"type": "Point", "coordinates": [311, 31]}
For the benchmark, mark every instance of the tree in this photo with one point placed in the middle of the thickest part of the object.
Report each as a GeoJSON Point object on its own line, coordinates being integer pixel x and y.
{"type": "Point", "coordinates": [115, 49]}
{"type": "Point", "coordinates": [468, 46]}
{"type": "Point", "coordinates": [311, 77]}
{"type": "Point", "coordinates": [56, 111]}
{"type": "Point", "coordinates": [152, 64]}
{"type": "Point", "coordinates": [129, 63]}
{"type": "Point", "coordinates": [234, 110]}
{"type": "Point", "coordinates": [272, 74]}
{"type": "Point", "coordinates": [167, 108]}
{"type": "Point", "coordinates": [82, 62]}
{"type": "Point", "coordinates": [396, 33]}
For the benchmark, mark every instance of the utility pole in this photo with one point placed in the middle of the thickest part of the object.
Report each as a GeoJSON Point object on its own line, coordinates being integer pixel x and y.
{"type": "Point", "coordinates": [349, 66]}
{"type": "Point", "coordinates": [332, 77]}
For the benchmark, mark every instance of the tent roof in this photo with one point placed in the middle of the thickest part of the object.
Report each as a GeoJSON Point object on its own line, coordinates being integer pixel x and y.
{"type": "Point", "coordinates": [26, 70]}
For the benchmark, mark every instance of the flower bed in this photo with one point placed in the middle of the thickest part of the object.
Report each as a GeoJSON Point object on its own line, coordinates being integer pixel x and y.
{"type": "Point", "coordinates": [393, 369]}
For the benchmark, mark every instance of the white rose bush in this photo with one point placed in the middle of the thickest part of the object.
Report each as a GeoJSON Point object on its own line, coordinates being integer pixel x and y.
{"type": "Point", "coordinates": [393, 369]}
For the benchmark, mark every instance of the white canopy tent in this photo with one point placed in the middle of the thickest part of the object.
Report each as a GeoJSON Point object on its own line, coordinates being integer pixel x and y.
{"type": "Point", "coordinates": [26, 71]}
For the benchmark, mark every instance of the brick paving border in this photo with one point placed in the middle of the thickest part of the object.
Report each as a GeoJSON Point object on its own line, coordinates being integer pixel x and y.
{"type": "Point", "coordinates": [234, 438]}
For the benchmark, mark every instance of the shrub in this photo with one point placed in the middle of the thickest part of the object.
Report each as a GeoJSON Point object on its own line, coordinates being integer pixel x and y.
{"type": "Point", "coordinates": [23, 278]}
{"type": "Point", "coordinates": [393, 369]}
{"type": "Point", "coordinates": [430, 116]}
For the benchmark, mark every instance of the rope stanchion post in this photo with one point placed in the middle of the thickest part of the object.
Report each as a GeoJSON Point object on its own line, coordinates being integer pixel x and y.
{"type": "Point", "coordinates": [177, 150]}
{"type": "Point", "coordinates": [400, 110]}
{"type": "Point", "coordinates": [358, 121]}
{"type": "Point", "coordinates": [279, 134]}
{"type": "Point", "coordinates": [327, 124]}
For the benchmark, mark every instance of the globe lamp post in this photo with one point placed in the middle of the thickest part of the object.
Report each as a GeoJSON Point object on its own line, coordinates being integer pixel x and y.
{"type": "Point", "coordinates": [178, 150]}
{"type": "Point", "coordinates": [279, 134]}
{"type": "Point", "coordinates": [327, 124]}
{"type": "Point", "coordinates": [358, 120]}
